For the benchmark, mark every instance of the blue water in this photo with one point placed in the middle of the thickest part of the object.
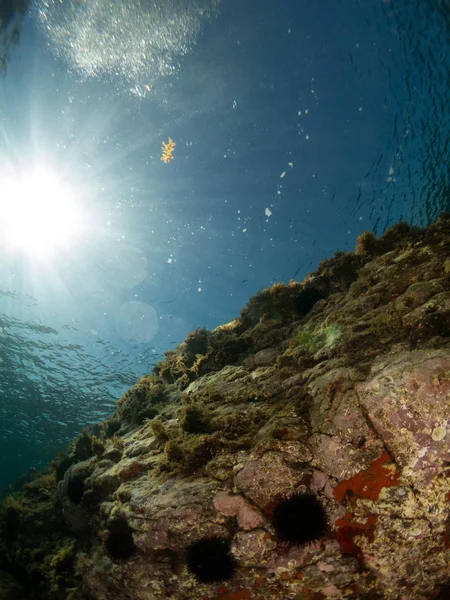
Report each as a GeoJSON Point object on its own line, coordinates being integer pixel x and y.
{"type": "Point", "coordinates": [297, 124]}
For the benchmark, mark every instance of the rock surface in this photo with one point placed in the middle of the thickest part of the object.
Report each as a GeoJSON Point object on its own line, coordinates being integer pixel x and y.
{"type": "Point", "coordinates": [337, 388]}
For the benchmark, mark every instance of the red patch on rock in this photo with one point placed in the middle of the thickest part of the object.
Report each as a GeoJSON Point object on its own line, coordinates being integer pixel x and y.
{"type": "Point", "coordinates": [368, 483]}
{"type": "Point", "coordinates": [348, 529]}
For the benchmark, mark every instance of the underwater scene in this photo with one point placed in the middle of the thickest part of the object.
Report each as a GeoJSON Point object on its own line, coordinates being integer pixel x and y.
{"type": "Point", "coordinates": [224, 299]}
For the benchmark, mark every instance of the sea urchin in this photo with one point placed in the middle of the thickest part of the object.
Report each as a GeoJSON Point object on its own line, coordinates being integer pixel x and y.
{"type": "Point", "coordinates": [210, 559]}
{"type": "Point", "coordinates": [118, 541]}
{"type": "Point", "coordinates": [299, 519]}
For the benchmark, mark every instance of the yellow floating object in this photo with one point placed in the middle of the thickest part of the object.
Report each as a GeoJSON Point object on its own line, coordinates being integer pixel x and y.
{"type": "Point", "coordinates": [167, 150]}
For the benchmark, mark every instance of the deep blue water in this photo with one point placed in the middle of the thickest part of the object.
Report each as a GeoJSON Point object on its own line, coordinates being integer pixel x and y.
{"type": "Point", "coordinates": [297, 124]}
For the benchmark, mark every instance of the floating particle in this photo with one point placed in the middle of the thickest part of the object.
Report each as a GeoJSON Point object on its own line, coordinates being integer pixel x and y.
{"type": "Point", "coordinates": [167, 150]}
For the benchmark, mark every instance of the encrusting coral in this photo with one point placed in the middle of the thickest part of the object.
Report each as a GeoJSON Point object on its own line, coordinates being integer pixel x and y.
{"type": "Point", "coordinates": [300, 451]}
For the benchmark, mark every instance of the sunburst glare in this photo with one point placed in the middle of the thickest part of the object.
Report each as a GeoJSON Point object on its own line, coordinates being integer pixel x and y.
{"type": "Point", "coordinates": [39, 213]}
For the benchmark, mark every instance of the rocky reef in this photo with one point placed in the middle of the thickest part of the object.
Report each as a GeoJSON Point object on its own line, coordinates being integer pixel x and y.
{"type": "Point", "coordinates": [301, 451]}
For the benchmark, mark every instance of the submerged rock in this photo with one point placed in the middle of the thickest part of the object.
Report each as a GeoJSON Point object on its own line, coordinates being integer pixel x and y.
{"type": "Point", "coordinates": [329, 397]}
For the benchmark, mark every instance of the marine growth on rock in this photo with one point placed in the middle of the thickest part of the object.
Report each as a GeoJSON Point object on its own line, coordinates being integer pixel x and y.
{"type": "Point", "coordinates": [300, 451]}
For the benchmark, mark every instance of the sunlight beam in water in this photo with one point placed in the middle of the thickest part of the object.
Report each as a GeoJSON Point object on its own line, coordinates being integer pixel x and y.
{"type": "Point", "coordinates": [39, 214]}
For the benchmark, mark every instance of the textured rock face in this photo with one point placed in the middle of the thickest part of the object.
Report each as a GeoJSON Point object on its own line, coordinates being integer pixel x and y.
{"type": "Point", "coordinates": [337, 388]}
